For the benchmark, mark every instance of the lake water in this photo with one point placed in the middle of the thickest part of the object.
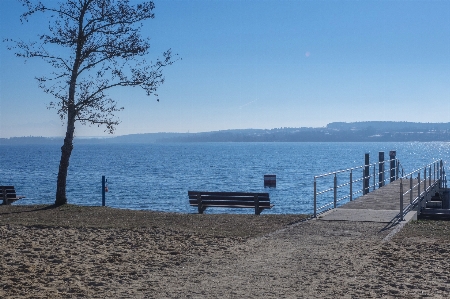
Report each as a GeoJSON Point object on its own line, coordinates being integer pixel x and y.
{"type": "Point", "coordinates": [158, 176]}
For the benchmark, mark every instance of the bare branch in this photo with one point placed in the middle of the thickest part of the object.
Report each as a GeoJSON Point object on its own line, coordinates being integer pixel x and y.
{"type": "Point", "coordinates": [103, 49]}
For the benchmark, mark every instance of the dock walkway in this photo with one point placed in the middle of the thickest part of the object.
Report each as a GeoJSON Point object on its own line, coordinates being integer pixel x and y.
{"type": "Point", "coordinates": [381, 205]}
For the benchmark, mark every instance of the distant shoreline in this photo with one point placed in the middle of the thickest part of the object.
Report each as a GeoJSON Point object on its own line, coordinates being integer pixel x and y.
{"type": "Point", "coordinates": [370, 131]}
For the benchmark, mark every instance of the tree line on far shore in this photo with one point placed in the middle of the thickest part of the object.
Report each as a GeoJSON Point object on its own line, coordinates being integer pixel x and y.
{"type": "Point", "coordinates": [371, 131]}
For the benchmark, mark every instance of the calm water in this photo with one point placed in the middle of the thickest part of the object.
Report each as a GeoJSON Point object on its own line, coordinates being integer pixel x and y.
{"type": "Point", "coordinates": [158, 176]}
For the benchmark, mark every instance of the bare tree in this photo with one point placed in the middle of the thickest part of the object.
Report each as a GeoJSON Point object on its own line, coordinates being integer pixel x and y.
{"type": "Point", "coordinates": [93, 46]}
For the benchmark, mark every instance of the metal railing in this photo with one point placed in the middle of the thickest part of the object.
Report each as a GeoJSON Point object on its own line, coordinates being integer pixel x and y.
{"type": "Point", "coordinates": [352, 187]}
{"type": "Point", "coordinates": [434, 173]}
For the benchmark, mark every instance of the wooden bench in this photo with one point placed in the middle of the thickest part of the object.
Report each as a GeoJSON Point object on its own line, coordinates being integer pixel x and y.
{"type": "Point", "coordinates": [203, 200]}
{"type": "Point", "coordinates": [8, 195]}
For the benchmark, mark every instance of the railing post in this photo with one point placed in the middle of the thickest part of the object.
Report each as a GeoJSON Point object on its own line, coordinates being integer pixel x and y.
{"type": "Point", "coordinates": [410, 189]}
{"type": "Point", "coordinates": [424, 185]}
{"type": "Point", "coordinates": [315, 198]}
{"type": "Point", "coordinates": [392, 155]}
{"type": "Point", "coordinates": [366, 174]}
{"type": "Point", "coordinates": [444, 178]}
{"type": "Point", "coordinates": [438, 173]}
{"type": "Point", "coordinates": [418, 194]}
{"type": "Point", "coordinates": [363, 184]}
{"type": "Point", "coordinates": [397, 167]}
{"type": "Point", "coordinates": [374, 175]}
{"type": "Point", "coordinates": [401, 199]}
{"type": "Point", "coordinates": [434, 171]}
{"type": "Point", "coordinates": [429, 177]}
{"type": "Point", "coordinates": [380, 169]}
{"type": "Point", "coordinates": [351, 184]}
{"type": "Point", "coordinates": [335, 190]}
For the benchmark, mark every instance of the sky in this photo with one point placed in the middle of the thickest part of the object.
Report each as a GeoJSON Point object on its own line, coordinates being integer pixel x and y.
{"type": "Point", "coordinates": [259, 64]}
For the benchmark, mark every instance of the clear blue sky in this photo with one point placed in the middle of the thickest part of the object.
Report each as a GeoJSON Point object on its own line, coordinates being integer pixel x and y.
{"type": "Point", "coordinates": [261, 64]}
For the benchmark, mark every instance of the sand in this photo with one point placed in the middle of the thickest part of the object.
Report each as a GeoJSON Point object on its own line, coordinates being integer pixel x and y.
{"type": "Point", "coordinates": [76, 252]}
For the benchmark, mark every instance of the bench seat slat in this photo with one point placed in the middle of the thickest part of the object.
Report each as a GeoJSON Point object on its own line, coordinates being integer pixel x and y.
{"type": "Point", "coordinates": [239, 198]}
{"type": "Point", "coordinates": [195, 193]}
{"type": "Point", "coordinates": [10, 200]}
{"type": "Point", "coordinates": [234, 206]}
{"type": "Point", "coordinates": [13, 195]}
{"type": "Point", "coordinates": [228, 203]}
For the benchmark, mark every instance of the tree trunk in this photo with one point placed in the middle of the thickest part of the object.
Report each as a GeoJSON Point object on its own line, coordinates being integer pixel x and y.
{"type": "Point", "coordinates": [66, 151]}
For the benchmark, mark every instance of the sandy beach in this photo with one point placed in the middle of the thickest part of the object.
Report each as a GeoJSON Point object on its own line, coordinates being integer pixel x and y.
{"type": "Point", "coordinates": [96, 252]}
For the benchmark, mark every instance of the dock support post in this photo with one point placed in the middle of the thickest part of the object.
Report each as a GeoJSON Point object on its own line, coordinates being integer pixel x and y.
{"type": "Point", "coordinates": [401, 199]}
{"type": "Point", "coordinates": [366, 174]}
{"type": "Point", "coordinates": [392, 155]}
{"type": "Point", "coordinates": [380, 169]}
{"type": "Point", "coordinates": [103, 191]}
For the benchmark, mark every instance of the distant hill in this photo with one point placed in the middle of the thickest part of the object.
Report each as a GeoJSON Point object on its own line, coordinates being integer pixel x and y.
{"type": "Point", "coordinates": [368, 131]}
{"type": "Point", "coordinates": [400, 126]}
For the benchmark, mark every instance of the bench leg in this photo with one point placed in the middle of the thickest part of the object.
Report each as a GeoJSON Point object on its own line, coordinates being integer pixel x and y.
{"type": "Point", "coordinates": [4, 196]}
{"type": "Point", "coordinates": [257, 209]}
{"type": "Point", "coordinates": [199, 204]}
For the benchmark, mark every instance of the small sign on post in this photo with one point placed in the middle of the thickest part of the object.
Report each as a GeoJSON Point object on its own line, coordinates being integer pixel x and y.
{"type": "Point", "coordinates": [104, 190]}
{"type": "Point", "coordinates": [270, 180]}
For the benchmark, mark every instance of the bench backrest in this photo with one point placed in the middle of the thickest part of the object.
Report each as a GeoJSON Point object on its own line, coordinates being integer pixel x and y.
{"type": "Point", "coordinates": [230, 198]}
{"type": "Point", "coordinates": [7, 192]}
